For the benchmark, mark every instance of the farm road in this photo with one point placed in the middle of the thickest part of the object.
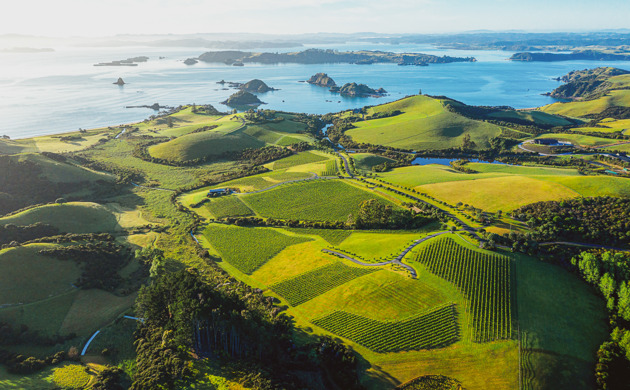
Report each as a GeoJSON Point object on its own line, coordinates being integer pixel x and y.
{"type": "Point", "coordinates": [397, 260]}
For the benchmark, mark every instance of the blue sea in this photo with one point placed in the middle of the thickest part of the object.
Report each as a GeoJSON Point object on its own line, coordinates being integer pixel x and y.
{"type": "Point", "coordinates": [53, 92]}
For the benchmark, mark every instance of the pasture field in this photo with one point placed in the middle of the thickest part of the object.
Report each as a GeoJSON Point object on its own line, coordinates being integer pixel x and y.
{"type": "Point", "coordinates": [41, 380]}
{"type": "Point", "coordinates": [377, 247]}
{"type": "Point", "coordinates": [330, 169]}
{"type": "Point", "coordinates": [317, 200]}
{"type": "Point", "coordinates": [44, 316]}
{"type": "Point", "coordinates": [485, 280]}
{"type": "Point", "coordinates": [53, 143]}
{"type": "Point", "coordinates": [612, 98]}
{"type": "Point", "coordinates": [596, 130]}
{"type": "Point", "coordinates": [227, 206]}
{"type": "Point", "coordinates": [424, 124]}
{"type": "Point", "coordinates": [366, 161]}
{"type": "Point", "coordinates": [248, 248]}
{"type": "Point", "coordinates": [293, 261]}
{"type": "Point", "coordinates": [299, 159]}
{"type": "Point", "coordinates": [204, 144]}
{"type": "Point", "coordinates": [26, 276]}
{"type": "Point", "coordinates": [332, 236]}
{"type": "Point", "coordinates": [63, 172]}
{"type": "Point", "coordinates": [436, 328]}
{"type": "Point", "coordinates": [498, 193]}
{"type": "Point", "coordinates": [562, 324]}
{"type": "Point", "coordinates": [582, 140]}
{"type": "Point", "coordinates": [308, 285]}
{"type": "Point", "coordinates": [593, 185]}
{"type": "Point", "coordinates": [619, 148]}
{"type": "Point", "coordinates": [533, 116]}
{"type": "Point", "coordinates": [622, 125]}
{"type": "Point", "coordinates": [71, 217]}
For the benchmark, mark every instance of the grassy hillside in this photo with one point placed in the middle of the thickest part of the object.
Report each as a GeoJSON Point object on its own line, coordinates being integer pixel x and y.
{"type": "Point", "coordinates": [71, 217]}
{"type": "Point", "coordinates": [537, 117]}
{"type": "Point", "coordinates": [616, 95]}
{"type": "Point", "coordinates": [317, 200]}
{"type": "Point", "coordinates": [424, 124]}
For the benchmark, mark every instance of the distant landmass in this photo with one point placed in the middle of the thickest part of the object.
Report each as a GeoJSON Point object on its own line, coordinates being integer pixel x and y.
{"type": "Point", "coordinates": [27, 50]}
{"type": "Point", "coordinates": [585, 84]}
{"type": "Point", "coordinates": [319, 56]}
{"type": "Point", "coordinates": [589, 55]}
{"type": "Point", "coordinates": [128, 62]}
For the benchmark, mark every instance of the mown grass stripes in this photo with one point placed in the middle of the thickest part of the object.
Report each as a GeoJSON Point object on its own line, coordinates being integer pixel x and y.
{"type": "Point", "coordinates": [483, 278]}
{"type": "Point", "coordinates": [309, 285]}
{"type": "Point", "coordinates": [434, 329]}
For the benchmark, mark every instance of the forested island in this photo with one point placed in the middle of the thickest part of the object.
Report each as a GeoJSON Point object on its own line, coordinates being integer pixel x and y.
{"type": "Point", "coordinates": [589, 55]}
{"type": "Point", "coordinates": [320, 56]}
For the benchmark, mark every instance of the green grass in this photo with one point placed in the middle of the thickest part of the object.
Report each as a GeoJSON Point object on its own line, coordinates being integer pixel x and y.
{"type": "Point", "coordinates": [582, 140]}
{"type": "Point", "coordinates": [71, 376]}
{"type": "Point", "coordinates": [298, 159]}
{"type": "Point", "coordinates": [26, 276]}
{"type": "Point", "coordinates": [581, 108]}
{"type": "Point", "coordinates": [71, 217]}
{"type": "Point", "coordinates": [435, 329]}
{"type": "Point", "coordinates": [367, 160]}
{"type": "Point", "coordinates": [227, 206]}
{"type": "Point", "coordinates": [431, 382]}
{"type": "Point", "coordinates": [248, 248]}
{"type": "Point", "coordinates": [424, 124]}
{"type": "Point", "coordinates": [533, 116]}
{"type": "Point", "coordinates": [562, 323]}
{"type": "Point", "coordinates": [596, 130]}
{"type": "Point", "coordinates": [58, 172]}
{"type": "Point", "coordinates": [41, 380]}
{"type": "Point", "coordinates": [332, 236]}
{"type": "Point", "coordinates": [317, 200]}
{"type": "Point", "coordinates": [205, 144]}
{"type": "Point", "coordinates": [309, 285]}
{"type": "Point", "coordinates": [330, 168]}
{"type": "Point", "coordinates": [502, 193]}
{"type": "Point", "coordinates": [484, 278]}
{"type": "Point", "coordinates": [44, 316]}
{"type": "Point", "coordinates": [377, 246]}
{"type": "Point", "coordinates": [118, 338]}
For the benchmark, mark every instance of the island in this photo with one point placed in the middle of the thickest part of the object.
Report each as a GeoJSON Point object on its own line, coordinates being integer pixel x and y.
{"type": "Point", "coordinates": [322, 79]}
{"type": "Point", "coordinates": [256, 85]}
{"type": "Point", "coordinates": [320, 56]}
{"type": "Point", "coordinates": [190, 61]}
{"type": "Point", "coordinates": [133, 61]}
{"type": "Point", "coordinates": [581, 55]}
{"type": "Point", "coordinates": [120, 82]}
{"type": "Point", "coordinates": [242, 98]}
{"type": "Point", "coordinates": [358, 90]}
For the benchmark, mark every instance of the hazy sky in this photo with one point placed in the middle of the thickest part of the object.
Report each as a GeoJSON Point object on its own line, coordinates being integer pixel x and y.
{"type": "Point", "coordinates": [109, 17]}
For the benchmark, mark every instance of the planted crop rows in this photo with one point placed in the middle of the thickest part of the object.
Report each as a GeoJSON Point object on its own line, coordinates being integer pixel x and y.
{"type": "Point", "coordinates": [248, 248]}
{"type": "Point", "coordinates": [331, 168]}
{"type": "Point", "coordinates": [332, 236]}
{"type": "Point", "coordinates": [228, 206]}
{"type": "Point", "coordinates": [309, 285]}
{"type": "Point", "coordinates": [484, 279]}
{"type": "Point", "coordinates": [434, 329]}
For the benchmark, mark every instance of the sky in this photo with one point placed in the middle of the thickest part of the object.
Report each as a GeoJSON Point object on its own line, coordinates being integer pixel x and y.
{"type": "Point", "coordinates": [105, 18]}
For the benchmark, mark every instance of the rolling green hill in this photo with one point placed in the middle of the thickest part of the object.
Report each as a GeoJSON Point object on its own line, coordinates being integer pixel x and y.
{"type": "Point", "coordinates": [424, 124]}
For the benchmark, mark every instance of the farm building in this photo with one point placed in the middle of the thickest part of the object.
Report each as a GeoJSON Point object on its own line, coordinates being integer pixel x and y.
{"type": "Point", "coordinates": [219, 192]}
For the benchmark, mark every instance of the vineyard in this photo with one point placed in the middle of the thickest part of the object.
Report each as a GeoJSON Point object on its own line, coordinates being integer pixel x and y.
{"type": "Point", "coordinates": [434, 329]}
{"type": "Point", "coordinates": [484, 279]}
{"type": "Point", "coordinates": [309, 285]}
{"type": "Point", "coordinates": [248, 248]}
{"type": "Point", "coordinates": [228, 206]}
{"type": "Point", "coordinates": [314, 200]}
{"type": "Point", "coordinates": [331, 168]}
{"type": "Point", "coordinates": [332, 236]}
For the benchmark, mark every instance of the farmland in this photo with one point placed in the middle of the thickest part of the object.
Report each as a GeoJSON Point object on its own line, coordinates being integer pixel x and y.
{"type": "Point", "coordinates": [435, 329]}
{"type": "Point", "coordinates": [227, 206]}
{"type": "Point", "coordinates": [232, 243]}
{"type": "Point", "coordinates": [318, 200]}
{"type": "Point", "coordinates": [485, 281]}
{"type": "Point", "coordinates": [307, 286]}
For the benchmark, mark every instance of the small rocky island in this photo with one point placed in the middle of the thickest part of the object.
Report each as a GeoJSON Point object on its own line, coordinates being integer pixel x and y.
{"type": "Point", "coordinates": [242, 98]}
{"type": "Point", "coordinates": [190, 61]}
{"type": "Point", "coordinates": [256, 85]}
{"type": "Point", "coordinates": [358, 90]}
{"type": "Point", "coordinates": [322, 79]}
{"type": "Point", "coordinates": [120, 82]}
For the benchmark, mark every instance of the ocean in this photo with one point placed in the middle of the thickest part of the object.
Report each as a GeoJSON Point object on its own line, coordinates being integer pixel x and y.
{"type": "Point", "coordinates": [60, 91]}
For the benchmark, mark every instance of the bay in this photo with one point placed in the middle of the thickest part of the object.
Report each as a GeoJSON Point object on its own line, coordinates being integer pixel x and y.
{"type": "Point", "coordinates": [54, 92]}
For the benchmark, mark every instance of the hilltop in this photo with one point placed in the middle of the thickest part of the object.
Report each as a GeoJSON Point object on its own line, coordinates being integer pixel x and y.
{"type": "Point", "coordinates": [585, 84]}
{"type": "Point", "coordinates": [242, 98]}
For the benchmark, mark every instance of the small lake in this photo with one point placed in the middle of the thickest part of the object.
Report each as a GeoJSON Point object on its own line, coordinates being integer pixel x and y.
{"type": "Point", "coordinates": [447, 161]}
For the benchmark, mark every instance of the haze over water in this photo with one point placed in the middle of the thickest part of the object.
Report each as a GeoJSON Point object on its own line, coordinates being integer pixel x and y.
{"type": "Point", "coordinates": [47, 93]}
